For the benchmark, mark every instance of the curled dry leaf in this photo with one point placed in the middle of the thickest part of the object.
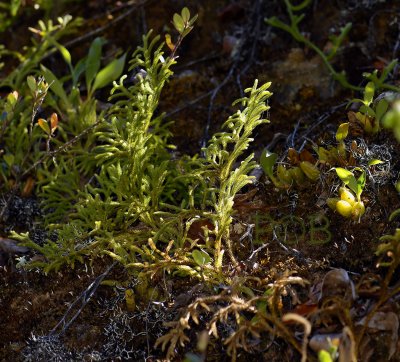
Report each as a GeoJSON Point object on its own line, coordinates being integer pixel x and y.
{"type": "Point", "coordinates": [385, 321]}
{"type": "Point", "coordinates": [337, 283]}
{"type": "Point", "coordinates": [307, 330]}
{"type": "Point", "coordinates": [347, 346]}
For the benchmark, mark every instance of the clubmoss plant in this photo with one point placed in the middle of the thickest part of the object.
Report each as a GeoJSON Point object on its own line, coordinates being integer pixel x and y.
{"type": "Point", "coordinates": [128, 198]}
{"type": "Point", "coordinates": [227, 180]}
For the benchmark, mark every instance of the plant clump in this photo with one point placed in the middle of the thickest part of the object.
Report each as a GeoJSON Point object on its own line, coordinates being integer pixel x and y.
{"type": "Point", "coordinates": [186, 241]}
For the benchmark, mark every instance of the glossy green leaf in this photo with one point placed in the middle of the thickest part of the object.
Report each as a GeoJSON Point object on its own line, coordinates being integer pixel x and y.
{"type": "Point", "coordinates": [387, 70]}
{"type": "Point", "coordinates": [374, 162]}
{"type": "Point", "coordinates": [342, 132]}
{"type": "Point", "coordinates": [55, 85]}
{"type": "Point", "coordinates": [63, 51]}
{"type": "Point", "coordinates": [31, 83]}
{"type": "Point", "coordinates": [361, 184]}
{"type": "Point", "coordinates": [193, 20]}
{"type": "Point", "coordinates": [364, 109]}
{"type": "Point", "coordinates": [267, 162]}
{"type": "Point", "coordinates": [178, 23]}
{"type": "Point", "coordinates": [185, 14]}
{"type": "Point", "coordinates": [201, 257]}
{"type": "Point", "coordinates": [93, 61]}
{"type": "Point", "coordinates": [348, 178]}
{"type": "Point", "coordinates": [12, 98]}
{"type": "Point", "coordinates": [369, 93]}
{"type": "Point", "coordinates": [77, 71]}
{"type": "Point", "coordinates": [109, 73]}
{"type": "Point", "coordinates": [186, 31]}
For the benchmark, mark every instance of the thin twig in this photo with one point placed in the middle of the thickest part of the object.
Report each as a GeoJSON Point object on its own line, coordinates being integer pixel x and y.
{"type": "Point", "coordinates": [85, 297]}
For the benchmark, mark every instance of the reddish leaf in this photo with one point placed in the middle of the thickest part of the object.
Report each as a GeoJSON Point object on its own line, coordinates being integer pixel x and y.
{"type": "Point", "coordinates": [293, 156]}
{"type": "Point", "coordinates": [28, 187]}
{"type": "Point", "coordinates": [169, 42]}
{"type": "Point", "coordinates": [54, 122]}
{"type": "Point", "coordinates": [44, 125]}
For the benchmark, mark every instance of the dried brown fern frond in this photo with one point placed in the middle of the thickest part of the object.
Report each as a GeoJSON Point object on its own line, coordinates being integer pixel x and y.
{"type": "Point", "coordinates": [248, 317]}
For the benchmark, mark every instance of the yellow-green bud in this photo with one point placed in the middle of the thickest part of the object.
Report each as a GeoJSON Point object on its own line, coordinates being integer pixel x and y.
{"type": "Point", "coordinates": [347, 195]}
{"type": "Point", "coordinates": [358, 210]}
{"type": "Point", "coordinates": [344, 208]}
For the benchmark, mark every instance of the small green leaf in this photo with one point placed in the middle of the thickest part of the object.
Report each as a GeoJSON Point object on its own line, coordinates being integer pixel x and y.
{"type": "Point", "coordinates": [186, 31]}
{"type": "Point", "coordinates": [364, 109]}
{"type": "Point", "coordinates": [12, 98]}
{"type": "Point", "coordinates": [374, 162]}
{"type": "Point", "coordinates": [343, 173]}
{"type": "Point", "coordinates": [342, 132]}
{"type": "Point", "coordinates": [193, 20]}
{"type": "Point", "coordinates": [185, 14]}
{"type": "Point", "coordinates": [31, 83]}
{"type": "Point", "coordinates": [360, 184]}
{"type": "Point", "coordinates": [55, 85]}
{"type": "Point", "coordinates": [201, 257]}
{"type": "Point", "coordinates": [268, 161]}
{"type": "Point", "coordinates": [369, 93]}
{"type": "Point", "coordinates": [65, 53]}
{"type": "Point", "coordinates": [77, 71]}
{"type": "Point", "coordinates": [93, 61]}
{"type": "Point", "coordinates": [348, 178]}
{"type": "Point", "coordinates": [178, 23]}
{"type": "Point", "coordinates": [109, 73]}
